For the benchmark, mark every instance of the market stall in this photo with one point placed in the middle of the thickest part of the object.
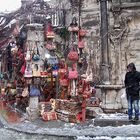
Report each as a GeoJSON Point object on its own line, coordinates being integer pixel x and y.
{"type": "Point", "coordinates": [42, 83]}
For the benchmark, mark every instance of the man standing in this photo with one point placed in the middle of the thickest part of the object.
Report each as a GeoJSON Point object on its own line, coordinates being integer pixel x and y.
{"type": "Point", "coordinates": [132, 79]}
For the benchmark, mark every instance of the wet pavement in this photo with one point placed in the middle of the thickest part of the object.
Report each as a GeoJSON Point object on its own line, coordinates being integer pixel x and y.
{"type": "Point", "coordinates": [14, 125]}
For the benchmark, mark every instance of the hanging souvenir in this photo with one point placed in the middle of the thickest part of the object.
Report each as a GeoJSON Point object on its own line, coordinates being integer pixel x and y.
{"type": "Point", "coordinates": [45, 64]}
{"type": "Point", "coordinates": [43, 74]}
{"type": "Point", "coordinates": [49, 32]}
{"type": "Point", "coordinates": [62, 71]}
{"type": "Point", "coordinates": [82, 32]}
{"type": "Point", "coordinates": [28, 54]}
{"type": "Point", "coordinates": [28, 71]}
{"type": "Point", "coordinates": [50, 46]}
{"type": "Point", "coordinates": [36, 71]}
{"type": "Point", "coordinates": [61, 63]}
{"type": "Point", "coordinates": [81, 44]}
{"type": "Point", "coordinates": [73, 55]}
{"type": "Point", "coordinates": [55, 70]}
{"type": "Point", "coordinates": [73, 73]}
{"type": "Point", "coordinates": [64, 82]}
{"type": "Point", "coordinates": [81, 86]}
{"type": "Point", "coordinates": [14, 48]}
{"type": "Point", "coordinates": [36, 55]}
{"type": "Point", "coordinates": [87, 91]}
{"type": "Point", "coordinates": [53, 60]}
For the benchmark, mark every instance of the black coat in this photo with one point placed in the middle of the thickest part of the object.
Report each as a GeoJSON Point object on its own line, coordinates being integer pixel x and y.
{"type": "Point", "coordinates": [132, 80]}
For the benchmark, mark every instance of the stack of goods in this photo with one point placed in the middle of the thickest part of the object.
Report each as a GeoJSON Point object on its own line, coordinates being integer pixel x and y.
{"type": "Point", "coordinates": [69, 111]}
{"type": "Point", "coordinates": [47, 110]}
{"type": "Point", "coordinates": [44, 107]}
{"type": "Point", "coordinates": [48, 116]}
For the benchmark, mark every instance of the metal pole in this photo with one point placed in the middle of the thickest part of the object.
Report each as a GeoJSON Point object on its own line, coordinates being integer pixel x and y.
{"type": "Point", "coordinates": [57, 87]}
{"type": "Point", "coordinates": [104, 42]}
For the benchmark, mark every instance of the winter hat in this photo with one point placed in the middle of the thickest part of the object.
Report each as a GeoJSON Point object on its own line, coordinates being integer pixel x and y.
{"type": "Point", "coordinates": [132, 66]}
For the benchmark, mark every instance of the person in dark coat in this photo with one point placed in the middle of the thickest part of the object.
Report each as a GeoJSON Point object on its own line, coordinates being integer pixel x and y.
{"type": "Point", "coordinates": [132, 79]}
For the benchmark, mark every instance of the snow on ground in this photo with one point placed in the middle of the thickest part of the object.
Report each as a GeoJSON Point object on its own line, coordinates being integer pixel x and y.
{"type": "Point", "coordinates": [81, 131]}
{"type": "Point", "coordinates": [117, 116]}
{"type": "Point", "coordinates": [108, 138]}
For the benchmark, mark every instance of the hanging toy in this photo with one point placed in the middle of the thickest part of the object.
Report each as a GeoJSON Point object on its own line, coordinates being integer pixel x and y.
{"type": "Point", "coordinates": [55, 70]}
{"type": "Point", "coordinates": [49, 33]}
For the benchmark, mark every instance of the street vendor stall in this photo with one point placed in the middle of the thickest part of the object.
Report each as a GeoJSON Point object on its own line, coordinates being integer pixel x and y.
{"type": "Point", "coordinates": [44, 84]}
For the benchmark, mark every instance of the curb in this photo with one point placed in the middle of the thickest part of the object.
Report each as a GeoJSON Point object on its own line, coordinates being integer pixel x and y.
{"type": "Point", "coordinates": [49, 136]}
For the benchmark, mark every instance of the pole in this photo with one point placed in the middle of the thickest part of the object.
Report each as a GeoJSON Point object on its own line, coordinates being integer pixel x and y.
{"type": "Point", "coordinates": [104, 42]}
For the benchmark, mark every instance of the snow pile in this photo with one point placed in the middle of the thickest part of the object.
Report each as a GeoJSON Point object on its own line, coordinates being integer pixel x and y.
{"type": "Point", "coordinates": [115, 116]}
{"type": "Point", "coordinates": [107, 138]}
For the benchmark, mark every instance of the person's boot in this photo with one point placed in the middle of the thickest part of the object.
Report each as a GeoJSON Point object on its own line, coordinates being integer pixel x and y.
{"type": "Point", "coordinates": [136, 118]}
{"type": "Point", "coordinates": [130, 118]}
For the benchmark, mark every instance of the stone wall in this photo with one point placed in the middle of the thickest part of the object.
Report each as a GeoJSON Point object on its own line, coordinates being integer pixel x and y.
{"type": "Point", "coordinates": [124, 31]}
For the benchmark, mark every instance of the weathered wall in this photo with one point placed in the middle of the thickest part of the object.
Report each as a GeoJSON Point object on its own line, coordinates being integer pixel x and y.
{"type": "Point", "coordinates": [124, 35]}
{"type": "Point", "coordinates": [124, 23]}
{"type": "Point", "coordinates": [90, 20]}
